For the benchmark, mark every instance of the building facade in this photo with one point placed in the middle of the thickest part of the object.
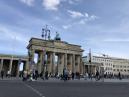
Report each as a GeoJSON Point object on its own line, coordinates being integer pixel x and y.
{"type": "Point", "coordinates": [111, 65]}
{"type": "Point", "coordinates": [11, 63]}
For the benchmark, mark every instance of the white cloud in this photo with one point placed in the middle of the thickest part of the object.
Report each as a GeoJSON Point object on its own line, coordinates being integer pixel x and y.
{"type": "Point", "coordinates": [66, 26]}
{"type": "Point", "coordinates": [51, 4]}
{"type": "Point", "coordinates": [83, 21]}
{"type": "Point", "coordinates": [75, 14]}
{"type": "Point", "coordinates": [72, 1]}
{"type": "Point", "coordinates": [84, 16]}
{"type": "Point", "coordinates": [93, 17]}
{"type": "Point", "coordinates": [28, 2]}
{"type": "Point", "coordinates": [79, 18]}
{"type": "Point", "coordinates": [87, 18]}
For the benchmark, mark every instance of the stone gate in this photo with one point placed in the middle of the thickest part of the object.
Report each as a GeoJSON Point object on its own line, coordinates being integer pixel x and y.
{"type": "Point", "coordinates": [68, 56]}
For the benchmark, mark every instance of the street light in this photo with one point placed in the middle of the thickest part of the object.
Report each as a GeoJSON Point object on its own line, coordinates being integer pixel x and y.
{"type": "Point", "coordinates": [46, 33]}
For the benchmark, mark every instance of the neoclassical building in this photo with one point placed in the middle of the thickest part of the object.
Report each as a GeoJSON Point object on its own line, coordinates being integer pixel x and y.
{"type": "Point", "coordinates": [111, 65]}
{"type": "Point", "coordinates": [12, 63]}
{"type": "Point", "coordinates": [68, 56]}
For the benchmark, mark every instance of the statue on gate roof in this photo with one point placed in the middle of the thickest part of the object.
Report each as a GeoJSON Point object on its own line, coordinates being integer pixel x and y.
{"type": "Point", "coordinates": [57, 36]}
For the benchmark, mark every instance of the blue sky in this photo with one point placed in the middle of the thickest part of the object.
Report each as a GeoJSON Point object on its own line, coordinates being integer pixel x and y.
{"type": "Point", "coordinates": [102, 25]}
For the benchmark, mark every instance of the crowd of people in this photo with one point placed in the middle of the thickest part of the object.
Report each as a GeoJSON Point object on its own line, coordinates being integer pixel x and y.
{"type": "Point", "coordinates": [97, 76]}
{"type": "Point", "coordinates": [6, 74]}
{"type": "Point", "coordinates": [70, 76]}
{"type": "Point", "coordinates": [66, 75]}
{"type": "Point", "coordinates": [33, 75]}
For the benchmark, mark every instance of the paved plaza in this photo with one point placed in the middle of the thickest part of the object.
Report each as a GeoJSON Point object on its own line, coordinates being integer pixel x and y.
{"type": "Point", "coordinates": [57, 88]}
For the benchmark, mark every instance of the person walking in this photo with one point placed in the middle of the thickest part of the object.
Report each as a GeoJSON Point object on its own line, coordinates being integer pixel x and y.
{"type": "Point", "coordinates": [97, 76]}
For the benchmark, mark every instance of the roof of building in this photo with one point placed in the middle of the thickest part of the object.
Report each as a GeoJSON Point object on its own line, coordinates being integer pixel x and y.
{"type": "Point", "coordinates": [107, 57]}
{"type": "Point", "coordinates": [14, 56]}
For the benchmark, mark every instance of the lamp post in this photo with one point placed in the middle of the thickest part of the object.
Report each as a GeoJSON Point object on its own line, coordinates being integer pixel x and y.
{"type": "Point", "coordinates": [46, 33]}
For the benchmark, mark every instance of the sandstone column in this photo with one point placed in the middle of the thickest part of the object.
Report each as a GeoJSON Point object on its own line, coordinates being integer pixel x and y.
{"type": "Point", "coordinates": [31, 59]}
{"type": "Point", "coordinates": [62, 62]}
{"type": "Point", "coordinates": [81, 66]}
{"type": "Point", "coordinates": [65, 60]}
{"type": "Point", "coordinates": [73, 64]}
{"type": "Point", "coordinates": [40, 62]}
{"type": "Point", "coordinates": [53, 63]}
{"type": "Point", "coordinates": [44, 62]}
{"type": "Point", "coordinates": [49, 63]}
{"type": "Point", "coordinates": [18, 66]}
{"type": "Point", "coordinates": [1, 64]}
{"type": "Point", "coordinates": [26, 65]}
{"type": "Point", "coordinates": [58, 63]}
{"type": "Point", "coordinates": [10, 65]}
{"type": "Point", "coordinates": [70, 63]}
{"type": "Point", "coordinates": [89, 71]}
{"type": "Point", "coordinates": [78, 63]}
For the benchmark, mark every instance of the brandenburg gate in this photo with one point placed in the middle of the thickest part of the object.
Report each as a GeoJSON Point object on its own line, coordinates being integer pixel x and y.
{"type": "Point", "coordinates": [68, 56]}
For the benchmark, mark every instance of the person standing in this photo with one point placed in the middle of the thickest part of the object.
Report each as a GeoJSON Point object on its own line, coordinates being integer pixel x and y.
{"type": "Point", "coordinates": [72, 75]}
{"type": "Point", "coordinates": [2, 74]}
{"type": "Point", "coordinates": [119, 75]}
{"type": "Point", "coordinates": [46, 75]}
{"type": "Point", "coordinates": [86, 76]}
